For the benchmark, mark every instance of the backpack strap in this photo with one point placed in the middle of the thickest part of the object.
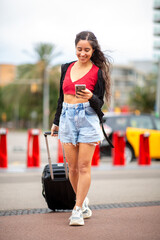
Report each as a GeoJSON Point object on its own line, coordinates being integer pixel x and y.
{"type": "Point", "coordinates": [106, 137]}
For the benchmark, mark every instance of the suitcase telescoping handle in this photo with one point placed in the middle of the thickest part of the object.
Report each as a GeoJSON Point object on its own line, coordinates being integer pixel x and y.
{"type": "Point", "coordinates": [49, 157]}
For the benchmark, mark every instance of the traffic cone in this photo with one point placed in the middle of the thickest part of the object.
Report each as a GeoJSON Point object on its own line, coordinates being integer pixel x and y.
{"type": "Point", "coordinates": [144, 152]}
{"type": "Point", "coordinates": [3, 148]}
{"type": "Point", "coordinates": [118, 152]}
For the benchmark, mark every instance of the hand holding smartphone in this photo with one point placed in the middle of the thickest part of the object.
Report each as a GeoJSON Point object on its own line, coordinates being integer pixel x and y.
{"type": "Point", "coordinates": [79, 87]}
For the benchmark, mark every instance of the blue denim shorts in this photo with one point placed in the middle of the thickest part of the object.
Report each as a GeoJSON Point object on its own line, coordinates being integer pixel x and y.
{"type": "Point", "coordinates": [79, 123]}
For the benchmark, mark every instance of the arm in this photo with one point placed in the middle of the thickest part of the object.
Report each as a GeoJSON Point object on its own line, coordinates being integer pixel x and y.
{"type": "Point", "coordinates": [96, 101]}
{"type": "Point", "coordinates": [55, 125]}
{"type": "Point", "coordinates": [59, 108]}
{"type": "Point", "coordinates": [61, 95]}
{"type": "Point", "coordinates": [60, 100]}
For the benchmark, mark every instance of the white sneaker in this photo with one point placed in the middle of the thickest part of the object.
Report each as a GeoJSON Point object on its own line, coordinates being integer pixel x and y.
{"type": "Point", "coordinates": [76, 219]}
{"type": "Point", "coordinates": [86, 211]}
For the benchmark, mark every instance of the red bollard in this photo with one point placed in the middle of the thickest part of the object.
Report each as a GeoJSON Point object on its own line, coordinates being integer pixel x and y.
{"type": "Point", "coordinates": [96, 156]}
{"type": "Point", "coordinates": [3, 148]}
{"type": "Point", "coordinates": [36, 148]}
{"type": "Point", "coordinates": [33, 148]}
{"type": "Point", "coordinates": [29, 153]}
{"type": "Point", "coordinates": [60, 153]}
{"type": "Point", "coordinates": [144, 152]}
{"type": "Point", "coordinates": [118, 152]}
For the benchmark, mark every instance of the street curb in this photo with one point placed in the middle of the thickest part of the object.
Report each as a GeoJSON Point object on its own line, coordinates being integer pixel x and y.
{"type": "Point", "coordinates": [93, 207]}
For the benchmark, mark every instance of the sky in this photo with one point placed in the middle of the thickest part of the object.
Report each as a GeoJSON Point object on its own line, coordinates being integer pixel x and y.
{"type": "Point", "coordinates": [124, 28]}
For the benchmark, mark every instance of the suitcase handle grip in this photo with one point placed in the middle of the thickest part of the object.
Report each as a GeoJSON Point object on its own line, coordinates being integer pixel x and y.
{"type": "Point", "coordinates": [49, 133]}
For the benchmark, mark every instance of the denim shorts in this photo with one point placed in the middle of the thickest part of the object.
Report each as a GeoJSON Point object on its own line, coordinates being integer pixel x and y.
{"type": "Point", "coordinates": [79, 123]}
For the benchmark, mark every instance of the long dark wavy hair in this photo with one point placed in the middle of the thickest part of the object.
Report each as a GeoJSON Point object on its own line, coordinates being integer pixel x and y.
{"type": "Point", "coordinates": [98, 58]}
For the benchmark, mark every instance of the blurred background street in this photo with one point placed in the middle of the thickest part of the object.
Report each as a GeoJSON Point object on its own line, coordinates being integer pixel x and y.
{"type": "Point", "coordinates": [17, 148]}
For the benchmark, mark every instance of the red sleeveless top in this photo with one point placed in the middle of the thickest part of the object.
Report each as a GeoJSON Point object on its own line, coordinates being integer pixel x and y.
{"type": "Point", "coordinates": [90, 79]}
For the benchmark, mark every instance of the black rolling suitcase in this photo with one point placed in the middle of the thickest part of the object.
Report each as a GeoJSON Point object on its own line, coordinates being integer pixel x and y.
{"type": "Point", "coordinates": [56, 187]}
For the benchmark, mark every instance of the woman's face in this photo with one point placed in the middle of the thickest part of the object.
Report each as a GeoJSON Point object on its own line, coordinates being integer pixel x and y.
{"type": "Point", "coordinates": [84, 51]}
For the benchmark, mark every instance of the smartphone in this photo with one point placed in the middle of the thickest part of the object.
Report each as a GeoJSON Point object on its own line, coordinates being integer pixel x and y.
{"type": "Point", "coordinates": [79, 87]}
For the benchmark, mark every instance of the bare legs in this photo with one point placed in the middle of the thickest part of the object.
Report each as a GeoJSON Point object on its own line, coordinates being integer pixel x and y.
{"type": "Point", "coordinates": [71, 153]}
{"type": "Point", "coordinates": [79, 160]}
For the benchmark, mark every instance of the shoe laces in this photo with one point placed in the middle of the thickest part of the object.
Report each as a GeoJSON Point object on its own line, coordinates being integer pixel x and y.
{"type": "Point", "coordinates": [85, 204]}
{"type": "Point", "coordinates": [76, 213]}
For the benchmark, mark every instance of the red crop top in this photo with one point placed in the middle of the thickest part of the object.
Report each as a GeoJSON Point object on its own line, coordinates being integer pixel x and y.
{"type": "Point", "coordinates": [89, 79]}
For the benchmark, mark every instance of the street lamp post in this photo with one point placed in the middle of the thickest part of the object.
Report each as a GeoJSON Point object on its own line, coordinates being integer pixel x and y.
{"type": "Point", "coordinates": [46, 100]}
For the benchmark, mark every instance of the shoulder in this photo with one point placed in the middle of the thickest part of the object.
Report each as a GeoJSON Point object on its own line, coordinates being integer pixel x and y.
{"type": "Point", "coordinates": [99, 71]}
{"type": "Point", "coordinates": [95, 69]}
{"type": "Point", "coordinates": [100, 76]}
{"type": "Point", "coordinates": [65, 66]}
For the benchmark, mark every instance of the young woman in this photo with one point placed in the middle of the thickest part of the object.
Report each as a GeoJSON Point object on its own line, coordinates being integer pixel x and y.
{"type": "Point", "coordinates": [79, 115]}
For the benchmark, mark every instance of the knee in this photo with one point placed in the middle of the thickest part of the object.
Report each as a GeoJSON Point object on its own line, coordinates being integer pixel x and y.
{"type": "Point", "coordinates": [84, 168]}
{"type": "Point", "coordinates": [73, 170]}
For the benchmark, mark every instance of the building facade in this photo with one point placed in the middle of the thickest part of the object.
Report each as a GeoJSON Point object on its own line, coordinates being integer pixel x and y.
{"type": "Point", "coordinates": [7, 74]}
{"type": "Point", "coordinates": [123, 79]}
{"type": "Point", "coordinates": [156, 48]}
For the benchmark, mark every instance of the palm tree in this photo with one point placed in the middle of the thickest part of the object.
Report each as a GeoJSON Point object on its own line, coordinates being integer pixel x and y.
{"type": "Point", "coordinates": [44, 54]}
{"type": "Point", "coordinates": [17, 98]}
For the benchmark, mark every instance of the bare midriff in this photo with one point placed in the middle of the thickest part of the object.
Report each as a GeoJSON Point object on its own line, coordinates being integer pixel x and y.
{"type": "Point", "coordinates": [72, 99]}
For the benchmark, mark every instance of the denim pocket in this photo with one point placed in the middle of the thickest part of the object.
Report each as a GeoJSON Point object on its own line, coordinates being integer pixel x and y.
{"type": "Point", "coordinates": [63, 120]}
{"type": "Point", "coordinates": [90, 111]}
{"type": "Point", "coordinates": [63, 112]}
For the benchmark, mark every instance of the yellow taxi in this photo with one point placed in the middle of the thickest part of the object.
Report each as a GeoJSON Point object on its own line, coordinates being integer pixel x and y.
{"type": "Point", "coordinates": [133, 125]}
{"type": "Point", "coordinates": [133, 138]}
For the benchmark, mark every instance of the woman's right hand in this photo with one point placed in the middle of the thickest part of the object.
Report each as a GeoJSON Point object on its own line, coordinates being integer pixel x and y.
{"type": "Point", "coordinates": [54, 128]}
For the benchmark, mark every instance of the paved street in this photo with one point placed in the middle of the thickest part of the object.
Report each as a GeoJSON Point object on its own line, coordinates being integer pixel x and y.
{"type": "Point", "coordinates": [113, 224]}
{"type": "Point", "coordinates": [20, 188]}
{"type": "Point", "coordinates": [131, 183]}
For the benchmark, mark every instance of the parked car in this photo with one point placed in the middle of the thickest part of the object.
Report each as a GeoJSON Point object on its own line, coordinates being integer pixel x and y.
{"type": "Point", "coordinates": [120, 122]}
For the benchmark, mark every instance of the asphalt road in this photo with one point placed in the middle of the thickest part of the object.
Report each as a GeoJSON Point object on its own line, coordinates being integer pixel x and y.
{"type": "Point", "coordinates": [22, 189]}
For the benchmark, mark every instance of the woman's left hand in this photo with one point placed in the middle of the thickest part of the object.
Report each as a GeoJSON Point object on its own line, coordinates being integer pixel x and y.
{"type": "Point", "coordinates": [86, 94]}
